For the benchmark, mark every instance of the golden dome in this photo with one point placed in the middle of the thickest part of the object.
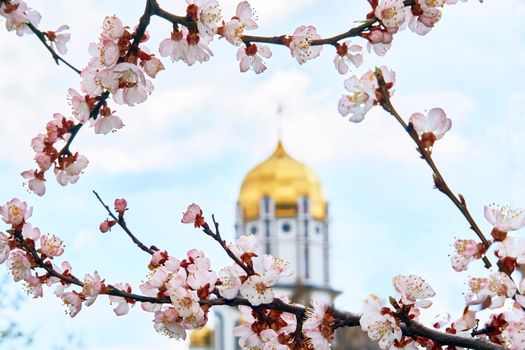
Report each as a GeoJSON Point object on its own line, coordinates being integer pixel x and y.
{"type": "Point", "coordinates": [201, 337]}
{"type": "Point", "coordinates": [284, 180]}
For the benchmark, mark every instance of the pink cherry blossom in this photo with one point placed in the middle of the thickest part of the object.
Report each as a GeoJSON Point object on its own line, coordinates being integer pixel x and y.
{"type": "Point", "coordinates": [92, 287]}
{"type": "Point", "coordinates": [185, 302]}
{"type": "Point", "coordinates": [158, 258]}
{"type": "Point", "coordinates": [466, 251]}
{"type": "Point", "coordinates": [28, 232]}
{"type": "Point", "coordinates": [70, 171]}
{"type": "Point", "coordinates": [391, 13]}
{"type": "Point", "coordinates": [36, 181]}
{"type": "Point", "coordinates": [152, 66]}
{"type": "Point", "coordinates": [59, 41]}
{"type": "Point", "coordinates": [166, 322]}
{"type": "Point", "coordinates": [64, 269]}
{"type": "Point", "coordinates": [51, 246]}
{"type": "Point", "coordinates": [512, 247]}
{"type": "Point", "coordinates": [44, 162]}
{"type": "Point", "coordinates": [504, 218]}
{"type": "Point", "coordinates": [258, 290]}
{"type": "Point", "coordinates": [347, 53]}
{"type": "Point", "coordinates": [233, 30]}
{"type": "Point", "coordinates": [127, 83]}
{"type": "Point", "coordinates": [359, 101]}
{"type": "Point", "coordinates": [19, 265]}
{"type": "Point", "coordinates": [250, 57]}
{"type": "Point", "coordinates": [105, 53]}
{"type": "Point", "coordinates": [176, 46]}
{"type": "Point", "coordinates": [175, 281]}
{"type": "Point", "coordinates": [79, 105]}
{"type": "Point", "coordinates": [300, 45]}
{"type": "Point", "coordinates": [230, 283]}
{"type": "Point", "coordinates": [90, 83]}
{"type": "Point", "coordinates": [73, 302]}
{"type": "Point", "coordinates": [424, 20]}
{"type": "Point", "coordinates": [514, 334]}
{"type": "Point", "coordinates": [122, 307]}
{"type": "Point", "coordinates": [315, 327]}
{"type": "Point", "coordinates": [270, 340]}
{"type": "Point", "coordinates": [157, 280]}
{"type": "Point", "coordinates": [244, 248]}
{"type": "Point", "coordinates": [277, 266]}
{"type": "Point", "coordinates": [198, 50]}
{"type": "Point", "coordinates": [108, 123]}
{"type": "Point", "coordinates": [193, 215]}
{"type": "Point", "coordinates": [466, 321]}
{"type": "Point", "coordinates": [202, 278]}
{"type": "Point", "coordinates": [414, 290]}
{"type": "Point", "coordinates": [244, 331]}
{"type": "Point", "coordinates": [378, 40]}
{"type": "Point", "coordinates": [34, 287]}
{"type": "Point", "coordinates": [196, 320]}
{"type": "Point", "coordinates": [15, 212]}
{"type": "Point", "coordinates": [498, 287]}
{"type": "Point", "coordinates": [378, 324]}
{"type": "Point", "coordinates": [112, 28]}
{"type": "Point", "coordinates": [17, 15]}
{"type": "Point", "coordinates": [207, 13]}
{"type": "Point", "coordinates": [4, 247]}
{"type": "Point", "coordinates": [430, 127]}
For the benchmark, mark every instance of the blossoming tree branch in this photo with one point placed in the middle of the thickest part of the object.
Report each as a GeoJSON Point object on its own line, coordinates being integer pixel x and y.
{"type": "Point", "coordinates": [180, 291]}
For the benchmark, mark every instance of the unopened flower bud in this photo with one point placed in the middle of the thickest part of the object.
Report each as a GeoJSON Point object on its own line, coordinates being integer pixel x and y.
{"type": "Point", "coordinates": [106, 225]}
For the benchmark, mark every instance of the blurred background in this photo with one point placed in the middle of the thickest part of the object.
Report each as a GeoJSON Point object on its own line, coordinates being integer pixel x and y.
{"type": "Point", "coordinates": [204, 127]}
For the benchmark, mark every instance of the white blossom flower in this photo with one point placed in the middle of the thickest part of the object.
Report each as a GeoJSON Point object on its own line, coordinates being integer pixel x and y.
{"type": "Point", "coordinates": [391, 13]}
{"type": "Point", "coordinates": [498, 287]}
{"type": "Point", "coordinates": [166, 322]}
{"type": "Point", "coordinates": [430, 127]}
{"type": "Point", "coordinates": [250, 57]}
{"type": "Point", "coordinates": [258, 290]}
{"type": "Point", "coordinates": [347, 53]}
{"type": "Point", "coordinates": [505, 218]}
{"type": "Point", "coordinates": [379, 325]}
{"type": "Point", "coordinates": [300, 45]}
{"type": "Point", "coordinates": [414, 290]}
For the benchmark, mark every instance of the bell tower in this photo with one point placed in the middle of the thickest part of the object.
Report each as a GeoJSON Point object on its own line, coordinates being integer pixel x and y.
{"type": "Point", "coordinates": [281, 202]}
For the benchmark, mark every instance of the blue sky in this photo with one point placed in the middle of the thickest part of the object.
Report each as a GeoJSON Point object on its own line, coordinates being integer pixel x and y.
{"type": "Point", "coordinates": [204, 127]}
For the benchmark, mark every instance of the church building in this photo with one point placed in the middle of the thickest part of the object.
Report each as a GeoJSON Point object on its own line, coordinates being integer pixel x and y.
{"type": "Point", "coordinates": [281, 202]}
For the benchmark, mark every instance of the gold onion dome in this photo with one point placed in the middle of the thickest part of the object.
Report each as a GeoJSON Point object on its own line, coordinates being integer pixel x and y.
{"type": "Point", "coordinates": [201, 337]}
{"type": "Point", "coordinates": [285, 181]}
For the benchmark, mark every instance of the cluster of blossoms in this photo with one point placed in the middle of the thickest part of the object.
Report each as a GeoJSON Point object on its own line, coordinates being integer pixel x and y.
{"type": "Point", "coordinates": [364, 93]}
{"type": "Point", "coordinates": [383, 324]}
{"type": "Point", "coordinates": [120, 66]}
{"type": "Point", "coordinates": [190, 45]}
{"type": "Point", "coordinates": [114, 68]}
{"type": "Point", "coordinates": [66, 165]}
{"type": "Point", "coordinates": [123, 68]}
{"type": "Point", "coordinates": [393, 15]}
{"type": "Point", "coordinates": [184, 283]}
{"type": "Point", "coordinates": [25, 249]}
{"type": "Point", "coordinates": [508, 326]}
{"type": "Point", "coordinates": [17, 15]}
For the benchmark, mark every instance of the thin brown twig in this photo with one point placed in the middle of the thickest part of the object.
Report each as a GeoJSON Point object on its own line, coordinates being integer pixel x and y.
{"type": "Point", "coordinates": [41, 36]}
{"type": "Point", "coordinates": [439, 180]}
{"type": "Point", "coordinates": [217, 236]}
{"type": "Point", "coordinates": [122, 223]}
